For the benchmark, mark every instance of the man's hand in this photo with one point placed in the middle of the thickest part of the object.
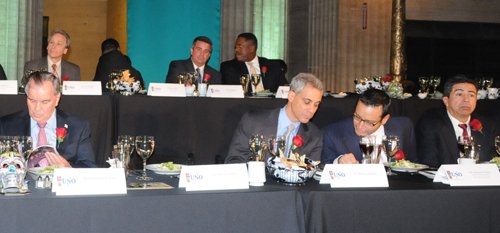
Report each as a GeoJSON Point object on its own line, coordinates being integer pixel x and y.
{"type": "Point", "coordinates": [348, 159]}
{"type": "Point", "coordinates": [55, 159]}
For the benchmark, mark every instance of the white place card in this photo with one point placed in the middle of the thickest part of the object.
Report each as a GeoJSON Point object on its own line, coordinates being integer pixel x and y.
{"type": "Point", "coordinates": [214, 177]}
{"type": "Point", "coordinates": [8, 87]}
{"type": "Point", "coordinates": [468, 175]}
{"type": "Point", "coordinates": [282, 92]}
{"type": "Point", "coordinates": [89, 181]}
{"type": "Point", "coordinates": [82, 88]}
{"type": "Point", "coordinates": [167, 89]}
{"type": "Point", "coordinates": [354, 175]}
{"type": "Point", "coordinates": [225, 91]}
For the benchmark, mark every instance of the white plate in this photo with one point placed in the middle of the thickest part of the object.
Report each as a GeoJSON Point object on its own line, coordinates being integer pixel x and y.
{"type": "Point", "coordinates": [339, 96]}
{"type": "Point", "coordinates": [428, 174]}
{"type": "Point", "coordinates": [265, 94]}
{"type": "Point", "coordinates": [406, 96]}
{"type": "Point", "coordinates": [407, 169]}
{"type": "Point", "coordinates": [155, 169]}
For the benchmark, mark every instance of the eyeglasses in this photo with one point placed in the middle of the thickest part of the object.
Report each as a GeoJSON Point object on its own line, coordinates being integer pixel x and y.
{"type": "Point", "coordinates": [367, 122]}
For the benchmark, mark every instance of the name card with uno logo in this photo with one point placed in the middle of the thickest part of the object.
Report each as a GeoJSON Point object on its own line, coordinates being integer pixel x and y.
{"type": "Point", "coordinates": [468, 175]}
{"type": "Point", "coordinates": [282, 92]}
{"type": "Point", "coordinates": [81, 88]}
{"type": "Point", "coordinates": [167, 89]}
{"type": "Point", "coordinates": [225, 91]}
{"type": "Point", "coordinates": [8, 87]}
{"type": "Point", "coordinates": [354, 175]}
{"type": "Point", "coordinates": [89, 181]}
{"type": "Point", "coordinates": [214, 177]}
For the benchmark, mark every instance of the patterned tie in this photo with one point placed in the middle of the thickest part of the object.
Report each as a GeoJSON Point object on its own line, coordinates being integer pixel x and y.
{"type": "Point", "coordinates": [465, 134]}
{"type": "Point", "coordinates": [198, 73]}
{"type": "Point", "coordinates": [252, 71]}
{"type": "Point", "coordinates": [54, 70]}
{"type": "Point", "coordinates": [289, 130]}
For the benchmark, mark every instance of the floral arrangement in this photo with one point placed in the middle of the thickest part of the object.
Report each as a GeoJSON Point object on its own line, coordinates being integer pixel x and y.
{"type": "Point", "coordinates": [476, 125]}
{"type": "Point", "coordinates": [392, 88]}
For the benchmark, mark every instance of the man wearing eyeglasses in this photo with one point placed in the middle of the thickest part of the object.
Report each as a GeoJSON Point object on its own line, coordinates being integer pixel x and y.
{"type": "Point", "coordinates": [371, 118]}
{"type": "Point", "coordinates": [197, 63]}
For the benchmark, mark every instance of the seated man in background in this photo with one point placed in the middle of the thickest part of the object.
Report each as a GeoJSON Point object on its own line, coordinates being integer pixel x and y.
{"type": "Point", "coordinates": [371, 117]}
{"type": "Point", "coordinates": [58, 45]}
{"type": "Point", "coordinates": [247, 62]}
{"type": "Point", "coordinates": [438, 130]}
{"type": "Point", "coordinates": [44, 123]}
{"type": "Point", "coordinates": [197, 63]}
{"type": "Point", "coordinates": [113, 59]}
{"type": "Point", "coordinates": [304, 98]}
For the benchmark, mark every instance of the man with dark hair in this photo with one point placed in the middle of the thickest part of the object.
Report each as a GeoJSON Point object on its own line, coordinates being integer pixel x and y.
{"type": "Point", "coordinates": [438, 129]}
{"type": "Point", "coordinates": [58, 45]}
{"type": "Point", "coordinates": [247, 62]}
{"type": "Point", "coordinates": [113, 59]}
{"type": "Point", "coordinates": [197, 63]}
{"type": "Point", "coordinates": [44, 123]}
{"type": "Point", "coordinates": [371, 118]}
{"type": "Point", "coordinates": [304, 98]}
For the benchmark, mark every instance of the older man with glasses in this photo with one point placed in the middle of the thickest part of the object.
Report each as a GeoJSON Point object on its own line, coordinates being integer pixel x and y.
{"type": "Point", "coordinates": [371, 118]}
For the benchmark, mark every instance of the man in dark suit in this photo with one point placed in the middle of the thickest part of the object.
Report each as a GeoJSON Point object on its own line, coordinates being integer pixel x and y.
{"type": "Point", "coordinates": [197, 63]}
{"type": "Point", "coordinates": [371, 117]}
{"type": "Point", "coordinates": [438, 130]}
{"type": "Point", "coordinates": [44, 123]}
{"type": "Point", "coordinates": [304, 98]}
{"type": "Point", "coordinates": [58, 45]}
{"type": "Point", "coordinates": [2, 73]}
{"type": "Point", "coordinates": [113, 59]}
{"type": "Point", "coordinates": [247, 62]}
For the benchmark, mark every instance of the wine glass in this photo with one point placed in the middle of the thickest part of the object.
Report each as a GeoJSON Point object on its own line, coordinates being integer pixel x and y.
{"type": "Point", "coordinates": [182, 77]}
{"type": "Point", "coordinates": [464, 142]}
{"type": "Point", "coordinates": [366, 146]}
{"type": "Point", "coordinates": [497, 144]}
{"type": "Point", "coordinates": [486, 82]}
{"type": "Point", "coordinates": [258, 147]}
{"type": "Point", "coordinates": [424, 84]}
{"type": "Point", "coordinates": [255, 78]}
{"type": "Point", "coordinates": [391, 147]}
{"type": "Point", "coordinates": [435, 81]}
{"type": "Point", "coordinates": [24, 146]}
{"type": "Point", "coordinates": [244, 80]}
{"type": "Point", "coordinates": [276, 144]}
{"type": "Point", "coordinates": [144, 145]}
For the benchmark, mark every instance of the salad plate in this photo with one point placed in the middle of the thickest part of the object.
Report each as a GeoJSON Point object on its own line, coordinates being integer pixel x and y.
{"type": "Point", "coordinates": [156, 169]}
{"type": "Point", "coordinates": [409, 169]}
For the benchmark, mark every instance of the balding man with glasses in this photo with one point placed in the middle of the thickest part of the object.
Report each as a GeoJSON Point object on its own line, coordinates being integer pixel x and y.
{"type": "Point", "coordinates": [370, 118]}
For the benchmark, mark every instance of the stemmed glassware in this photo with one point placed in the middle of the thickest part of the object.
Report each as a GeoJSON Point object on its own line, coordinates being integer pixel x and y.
{"type": "Point", "coordinates": [391, 147]}
{"type": "Point", "coordinates": [464, 143]}
{"type": "Point", "coordinates": [255, 81]}
{"type": "Point", "coordinates": [366, 146]}
{"type": "Point", "coordinates": [276, 144]}
{"type": "Point", "coordinates": [24, 146]}
{"type": "Point", "coordinates": [258, 147]}
{"type": "Point", "coordinates": [435, 81]}
{"type": "Point", "coordinates": [244, 80]}
{"type": "Point", "coordinates": [424, 84]}
{"type": "Point", "coordinates": [486, 82]}
{"type": "Point", "coordinates": [144, 145]}
{"type": "Point", "coordinates": [497, 144]}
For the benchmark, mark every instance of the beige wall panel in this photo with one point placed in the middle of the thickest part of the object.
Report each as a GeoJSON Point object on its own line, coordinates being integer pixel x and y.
{"type": "Point", "coordinates": [484, 11]}
{"type": "Point", "coordinates": [85, 22]}
{"type": "Point", "coordinates": [117, 22]}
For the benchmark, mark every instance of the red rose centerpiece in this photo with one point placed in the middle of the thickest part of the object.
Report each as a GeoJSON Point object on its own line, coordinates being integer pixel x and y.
{"type": "Point", "coordinates": [476, 125]}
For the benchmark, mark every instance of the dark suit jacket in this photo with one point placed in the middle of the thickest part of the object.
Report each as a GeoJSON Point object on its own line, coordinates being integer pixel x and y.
{"type": "Point", "coordinates": [274, 77]}
{"type": "Point", "coordinates": [2, 74]}
{"type": "Point", "coordinates": [114, 60]}
{"type": "Point", "coordinates": [179, 66]}
{"type": "Point", "coordinates": [68, 69]}
{"type": "Point", "coordinates": [340, 138]}
{"type": "Point", "coordinates": [266, 122]}
{"type": "Point", "coordinates": [76, 147]}
{"type": "Point", "coordinates": [437, 141]}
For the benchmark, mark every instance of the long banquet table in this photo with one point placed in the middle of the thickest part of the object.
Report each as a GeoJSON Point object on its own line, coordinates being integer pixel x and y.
{"type": "Point", "coordinates": [412, 203]}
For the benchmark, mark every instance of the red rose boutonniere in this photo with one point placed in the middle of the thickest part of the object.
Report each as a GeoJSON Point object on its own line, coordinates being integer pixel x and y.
{"type": "Point", "coordinates": [476, 125]}
{"type": "Point", "coordinates": [264, 70]}
{"type": "Point", "coordinates": [297, 142]}
{"type": "Point", "coordinates": [61, 134]}
{"type": "Point", "coordinates": [399, 155]}
{"type": "Point", "coordinates": [65, 78]}
{"type": "Point", "coordinates": [206, 78]}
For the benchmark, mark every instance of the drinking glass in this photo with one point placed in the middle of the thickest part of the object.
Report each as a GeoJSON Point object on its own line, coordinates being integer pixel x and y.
{"type": "Point", "coordinates": [497, 144]}
{"type": "Point", "coordinates": [424, 84]}
{"type": "Point", "coordinates": [127, 140]}
{"type": "Point", "coordinates": [464, 142]}
{"type": "Point", "coordinates": [255, 81]}
{"type": "Point", "coordinates": [244, 80]}
{"type": "Point", "coordinates": [24, 146]}
{"type": "Point", "coordinates": [366, 146]}
{"type": "Point", "coordinates": [486, 82]}
{"type": "Point", "coordinates": [144, 145]}
{"type": "Point", "coordinates": [258, 147]}
{"type": "Point", "coordinates": [276, 144]}
{"type": "Point", "coordinates": [391, 147]}
{"type": "Point", "coordinates": [182, 77]}
{"type": "Point", "coordinates": [121, 155]}
{"type": "Point", "coordinates": [435, 81]}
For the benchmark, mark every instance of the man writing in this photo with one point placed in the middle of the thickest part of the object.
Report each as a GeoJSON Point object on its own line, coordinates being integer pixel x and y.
{"type": "Point", "coordinates": [304, 98]}
{"type": "Point", "coordinates": [438, 130]}
{"type": "Point", "coordinates": [197, 63]}
{"type": "Point", "coordinates": [247, 62]}
{"type": "Point", "coordinates": [58, 45]}
{"type": "Point", "coordinates": [42, 121]}
{"type": "Point", "coordinates": [371, 118]}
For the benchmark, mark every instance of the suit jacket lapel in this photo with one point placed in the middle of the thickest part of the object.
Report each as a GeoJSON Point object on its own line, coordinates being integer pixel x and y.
{"type": "Point", "coordinates": [61, 123]}
{"type": "Point", "coordinates": [25, 117]}
{"type": "Point", "coordinates": [449, 135]}
{"type": "Point", "coordinates": [188, 64]}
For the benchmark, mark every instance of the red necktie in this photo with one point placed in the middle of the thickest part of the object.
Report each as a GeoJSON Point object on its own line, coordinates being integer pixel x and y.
{"type": "Point", "coordinates": [465, 134]}
{"type": "Point", "coordinates": [42, 138]}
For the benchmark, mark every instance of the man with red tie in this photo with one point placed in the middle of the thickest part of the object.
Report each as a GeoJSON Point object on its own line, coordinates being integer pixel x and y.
{"type": "Point", "coordinates": [58, 45]}
{"type": "Point", "coordinates": [68, 133]}
{"type": "Point", "coordinates": [437, 131]}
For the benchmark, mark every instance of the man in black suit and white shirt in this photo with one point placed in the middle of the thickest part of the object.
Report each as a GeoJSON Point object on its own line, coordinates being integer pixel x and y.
{"type": "Point", "coordinates": [58, 45]}
{"type": "Point", "coordinates": [247, 62]}
{"type": "Point", "coordinates": [438, 130]}
{"type": "Point", "coordinates": [197, 63]}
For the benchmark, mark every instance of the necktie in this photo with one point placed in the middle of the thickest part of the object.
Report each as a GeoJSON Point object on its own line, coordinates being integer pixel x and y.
{"type": "Point", "coordinates": [198, 73]}
{"type": "Point", "coordinates": [289, 130]}
{"type": "Point", "coordinates": [41, 161]}
{"type": "Point", "coordinates": [465, 134]}
{"type": "Point", "coordinates": [54, 70]}
{"type": "Point", "coordinates": [252, 71]}
{"type": "Point", "coordinates": [42, 138]}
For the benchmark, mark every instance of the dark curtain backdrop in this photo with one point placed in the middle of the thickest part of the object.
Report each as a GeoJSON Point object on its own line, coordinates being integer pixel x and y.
{"type": "Point", "coordinates": [161, 31]}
